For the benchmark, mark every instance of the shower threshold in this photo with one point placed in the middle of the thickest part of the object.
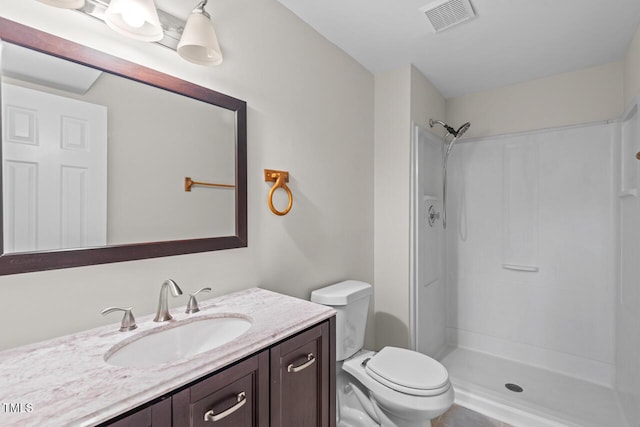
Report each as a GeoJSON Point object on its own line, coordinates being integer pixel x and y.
{"type": "Point", "coordinates": [528, 396]}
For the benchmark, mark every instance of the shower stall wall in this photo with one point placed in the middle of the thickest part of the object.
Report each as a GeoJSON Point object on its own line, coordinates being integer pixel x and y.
{"type": "Point", "coordinates": [628, 298]}
{"type": "Point", "coordinates": [428, 313]}
{"type": "Point", "coordinates": [530, 256]}
{"type": "Point", "coordinates": [529, 271]}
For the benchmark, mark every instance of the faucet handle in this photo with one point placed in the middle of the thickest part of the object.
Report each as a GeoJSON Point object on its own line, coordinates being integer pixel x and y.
{"type": "Point", "coordinates": [128, 322]}
{"type": "Point", "coordinates": [192, 305]}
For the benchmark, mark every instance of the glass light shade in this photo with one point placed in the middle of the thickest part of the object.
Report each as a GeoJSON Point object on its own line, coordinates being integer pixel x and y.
{"type": "Point", "coordinates": [199, 43]}
{"type": "Point", "coordinates": [65, 4]}
{"type": "Point", "coordinates": [137, 19]}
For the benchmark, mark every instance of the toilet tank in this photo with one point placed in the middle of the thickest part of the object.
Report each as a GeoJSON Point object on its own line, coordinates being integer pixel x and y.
{"type": "Point", "coordinates": [350, 299]}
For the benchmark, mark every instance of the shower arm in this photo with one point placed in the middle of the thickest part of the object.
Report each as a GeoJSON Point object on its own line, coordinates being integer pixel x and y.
{"type": "Point", "coordinates": [448, 128]}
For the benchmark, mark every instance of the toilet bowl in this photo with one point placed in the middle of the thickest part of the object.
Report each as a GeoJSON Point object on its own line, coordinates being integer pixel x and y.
{"type": "Point", "coordinates": [394, 399]}
{"type": "Point", "coordinates": [394, 387]}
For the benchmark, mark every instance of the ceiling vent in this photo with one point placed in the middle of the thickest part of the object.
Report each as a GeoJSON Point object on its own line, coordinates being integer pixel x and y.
{"type": "Point", "coordinates": [443, 14]}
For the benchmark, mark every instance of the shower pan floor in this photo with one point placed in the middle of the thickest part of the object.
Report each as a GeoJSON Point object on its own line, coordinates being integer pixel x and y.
{"type": "Point", "coordinates": [548, 399]}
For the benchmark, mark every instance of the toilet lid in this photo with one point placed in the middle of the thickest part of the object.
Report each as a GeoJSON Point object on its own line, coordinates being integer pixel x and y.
{"type": "Point", "coordinates": [407, 371]}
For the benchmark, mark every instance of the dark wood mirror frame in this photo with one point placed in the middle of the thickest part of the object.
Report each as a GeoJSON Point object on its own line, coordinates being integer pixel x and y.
{"type": "Point", "coordinates": [14, 263]}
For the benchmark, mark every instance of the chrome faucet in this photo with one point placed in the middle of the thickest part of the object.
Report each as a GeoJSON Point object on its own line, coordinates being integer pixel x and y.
{"type": "Point", "coordinates": [163, 306]}
{"type": "Point", "coordinates": [192, 305]}
{"type": "Point", "coordinates": [128, 322]}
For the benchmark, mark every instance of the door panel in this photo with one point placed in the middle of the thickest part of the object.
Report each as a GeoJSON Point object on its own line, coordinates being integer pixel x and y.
{"type": "Point", "coordinates": [300, 380]}
{"type": "Point", "coordinates": [55, 179]}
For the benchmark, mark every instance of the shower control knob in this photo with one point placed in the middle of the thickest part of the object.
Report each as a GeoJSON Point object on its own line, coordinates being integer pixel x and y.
{"type": "Point", "coordinates": [433, 215]}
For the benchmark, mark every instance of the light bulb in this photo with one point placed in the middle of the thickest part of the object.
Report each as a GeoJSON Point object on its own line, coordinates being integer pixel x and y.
{"type": "Point", "coordinates": [137, 19]}
{"type": "Point", "coordinates": [133, 15]}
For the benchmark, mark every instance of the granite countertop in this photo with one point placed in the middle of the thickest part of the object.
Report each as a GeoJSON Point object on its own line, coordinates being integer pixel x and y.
{"type": "Point", "coordinates": [66, 382]}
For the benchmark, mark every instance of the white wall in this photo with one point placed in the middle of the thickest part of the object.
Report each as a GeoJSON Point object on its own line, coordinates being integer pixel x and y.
{"type": "Point", "coordinates": [391, 201]}
{"type": "Point", "coordinates": [632, 70]}
{"type": "Point", "coordinates": [401, 96]}
{"type": "Point", "coordinates": [310, 111]}
{"type": "Point", "coordinates": [578, 97]}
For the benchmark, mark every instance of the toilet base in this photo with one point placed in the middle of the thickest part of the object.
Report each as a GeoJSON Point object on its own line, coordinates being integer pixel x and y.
{"type": "Point", "coordinates": [342, 423]}
{"type": "Point", "coordinates": [388, 420]}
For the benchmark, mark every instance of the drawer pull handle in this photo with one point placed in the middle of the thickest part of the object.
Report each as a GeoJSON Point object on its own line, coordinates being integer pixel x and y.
{"type": "Point", "coordinates": [311, 359]}
{"type": "Point", "coordinates": [210, 416]}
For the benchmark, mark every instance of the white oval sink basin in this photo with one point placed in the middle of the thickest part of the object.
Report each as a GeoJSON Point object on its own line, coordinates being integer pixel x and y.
{"type": "Point", "coordinates": [182, 341]}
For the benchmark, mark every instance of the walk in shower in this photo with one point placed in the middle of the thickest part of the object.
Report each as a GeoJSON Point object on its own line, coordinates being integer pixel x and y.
{"type": "Point", "coordinates": [518, 296]}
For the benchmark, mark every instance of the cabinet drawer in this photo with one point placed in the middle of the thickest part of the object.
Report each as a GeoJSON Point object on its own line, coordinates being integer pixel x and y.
{"type": "Point", "coordinates": [231, 398]}
{"type": "Point", "coordinates": [231, 406]}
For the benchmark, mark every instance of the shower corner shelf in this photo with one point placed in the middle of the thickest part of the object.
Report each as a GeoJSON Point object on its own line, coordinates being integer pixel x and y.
{"type": "Point", "coordinates": [528, 268]}
{"type": "Point", "coordinates": [628, 193]}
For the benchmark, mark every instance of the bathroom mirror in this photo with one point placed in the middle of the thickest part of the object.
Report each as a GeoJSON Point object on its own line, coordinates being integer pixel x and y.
{"type": "Point", "coordinates": [96, 151]}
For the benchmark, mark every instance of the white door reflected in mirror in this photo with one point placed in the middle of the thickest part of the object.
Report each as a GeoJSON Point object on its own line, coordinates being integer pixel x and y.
{"type": "Point", "coordinates": [55, 171]}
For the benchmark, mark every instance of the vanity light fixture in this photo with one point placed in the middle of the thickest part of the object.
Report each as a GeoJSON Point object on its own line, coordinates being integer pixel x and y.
{"type": "Point", "coordinates": [199, 43]}
{"type": "Point", "coordinates": [195, 40]}
{"type": "Point", "coordinates": [137, 19]}
{"type": "Point", "coordinates": [65, 4]}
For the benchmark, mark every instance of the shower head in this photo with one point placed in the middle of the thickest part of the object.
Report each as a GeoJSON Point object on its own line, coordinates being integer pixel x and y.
{"type": "Point", "coordinates": [465, 127]}
{"type": "Point", "coordinates": [456, 133]}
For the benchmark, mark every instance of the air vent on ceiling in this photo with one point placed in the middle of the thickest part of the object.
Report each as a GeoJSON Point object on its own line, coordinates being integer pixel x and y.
{"type": "Point", "coordinates": [443, 14]}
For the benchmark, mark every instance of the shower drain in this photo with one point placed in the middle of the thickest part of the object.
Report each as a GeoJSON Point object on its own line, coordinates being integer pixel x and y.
{"type": "Point", "coordinates": [514, 387]}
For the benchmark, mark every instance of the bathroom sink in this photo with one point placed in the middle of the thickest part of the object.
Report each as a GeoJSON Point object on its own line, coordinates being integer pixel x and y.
{"type": "Point", "coordinates": [182, 341]}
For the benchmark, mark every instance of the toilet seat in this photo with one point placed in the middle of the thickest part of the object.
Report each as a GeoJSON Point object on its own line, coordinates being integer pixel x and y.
{"type": "Point", "coordinates": [408, 372]}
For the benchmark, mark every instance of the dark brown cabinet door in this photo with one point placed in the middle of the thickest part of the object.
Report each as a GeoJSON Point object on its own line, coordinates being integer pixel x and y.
{"type": "Point", "coordinates": [235, 397]}
{"type": "Point", "coordinates": [157, 415]}
{"type": "Point", "coordinates": [301, 379]}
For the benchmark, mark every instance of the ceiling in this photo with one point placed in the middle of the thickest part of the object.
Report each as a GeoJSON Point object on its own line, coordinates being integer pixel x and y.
{"type": "Point", "coordinates": [509, 41]}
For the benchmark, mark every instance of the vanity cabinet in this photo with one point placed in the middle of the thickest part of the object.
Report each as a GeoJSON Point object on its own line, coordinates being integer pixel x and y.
{"type": "Point", "coordinates": [156, 415]}
{"type": "Point", "coordinates": [290, 384]}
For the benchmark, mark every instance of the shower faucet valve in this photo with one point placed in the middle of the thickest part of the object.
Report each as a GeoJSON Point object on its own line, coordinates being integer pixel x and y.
{"type": "Point", "coordinates": [433, 215]}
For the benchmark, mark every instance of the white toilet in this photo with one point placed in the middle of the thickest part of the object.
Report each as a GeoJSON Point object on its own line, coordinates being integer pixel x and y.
{"type": "Point", "coordinates": [394, 387]}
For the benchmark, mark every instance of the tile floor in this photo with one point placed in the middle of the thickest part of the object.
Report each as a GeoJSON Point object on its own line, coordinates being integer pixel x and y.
{"type": "Point", "coordinates": [458, 416]}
